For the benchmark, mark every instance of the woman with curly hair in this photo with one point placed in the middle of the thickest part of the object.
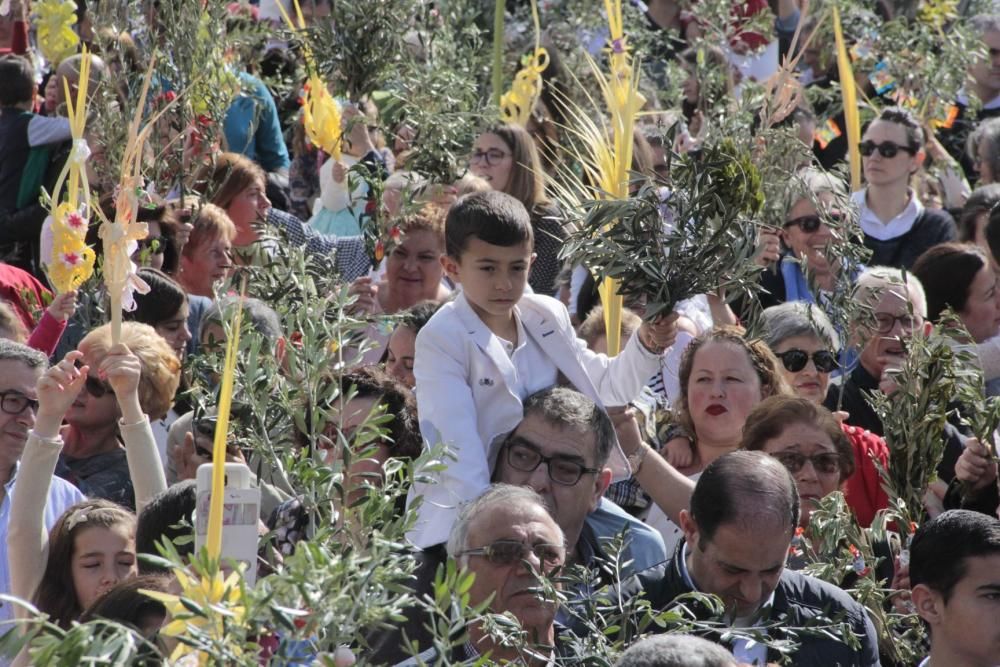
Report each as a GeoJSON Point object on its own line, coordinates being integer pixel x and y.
{"type": "Point", "coordinates": [723, 376]}
{"type": "Point", "coordinates": [93, 457]}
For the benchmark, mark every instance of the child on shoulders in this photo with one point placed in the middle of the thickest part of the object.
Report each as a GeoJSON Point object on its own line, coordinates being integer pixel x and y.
{"type": "Point", "coordinates": [494, 345]}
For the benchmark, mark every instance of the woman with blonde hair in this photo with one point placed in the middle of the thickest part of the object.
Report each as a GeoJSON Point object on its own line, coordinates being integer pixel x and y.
{"type": "Point", "coordinates": [93, 457]}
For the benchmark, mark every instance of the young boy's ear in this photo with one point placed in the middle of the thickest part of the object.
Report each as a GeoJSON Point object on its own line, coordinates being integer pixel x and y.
{"type": "Point", "coordinates": [450, 265]}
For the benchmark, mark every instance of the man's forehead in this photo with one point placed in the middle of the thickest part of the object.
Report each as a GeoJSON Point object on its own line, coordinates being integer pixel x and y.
{"type": "Point", "coordinates": [520, 521]}
{"type": "Point", "coordinates": [894, 300]}
{"type": "Point", "coordinates": [18, 376]}
{"type": "Point", "coordinates": [553, 438]}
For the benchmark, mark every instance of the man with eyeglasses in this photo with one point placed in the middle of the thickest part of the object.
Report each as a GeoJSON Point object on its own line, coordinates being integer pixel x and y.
{"type": "Point", "coordinates": [893, 309]}
{"type": "Point", "coordinates": [510, 542]}
{"type": "Point", "coordinates": [20, 369]}
{"type": "Point", "coordinates": [897, 228]}
{"type": "Point", "coordinates": [560, 449]}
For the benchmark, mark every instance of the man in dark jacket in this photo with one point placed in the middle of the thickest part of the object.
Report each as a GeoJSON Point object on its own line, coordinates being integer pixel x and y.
{"type": "Point", "coordinates": [743, 515]}
{"type": "Point", "coordinates": [894, 308]}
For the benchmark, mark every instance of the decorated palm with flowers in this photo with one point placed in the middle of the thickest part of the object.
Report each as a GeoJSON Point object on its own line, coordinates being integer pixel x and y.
{"type": "Point", "coordinates": [65, 255]}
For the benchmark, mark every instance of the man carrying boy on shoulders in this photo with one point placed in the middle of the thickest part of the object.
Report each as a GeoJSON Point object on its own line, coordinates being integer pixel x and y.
{"type": "Point", "coordinates": [482, 354]}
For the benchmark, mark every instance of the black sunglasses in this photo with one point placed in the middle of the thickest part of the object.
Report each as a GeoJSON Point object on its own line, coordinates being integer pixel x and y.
{"type": "Point", "coordinates": [96, 388]}
{"type": "Point", "coordinates": [504, 553]}
{"type": "Point", "coordinates": [795, 360]}
{"type": "Point", "coordinates": [794, 461]}
{"type": "Point", "coordinates": [807, 223]}
{"type": "Point", "coordinates": [887, 149]}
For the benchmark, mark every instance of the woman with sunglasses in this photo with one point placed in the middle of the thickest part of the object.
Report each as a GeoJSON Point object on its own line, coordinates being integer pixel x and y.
{"type": "Point", "coordinates": [897, 228]}
{"type": "Point", "coordinates": [805, 342]}
{"type": "Point", "coordinates": [93, 457]}
{"type": "Point", "coordinates": [505, 156]}
{"type": "Point", "coordinates": [806, 266]}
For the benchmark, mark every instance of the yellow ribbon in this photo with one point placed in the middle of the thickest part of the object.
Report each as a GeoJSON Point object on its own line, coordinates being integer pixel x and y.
{"type": "Point", "coordinates": [517, 103]}
{"type": "Point", "coordinates": [321, 117]}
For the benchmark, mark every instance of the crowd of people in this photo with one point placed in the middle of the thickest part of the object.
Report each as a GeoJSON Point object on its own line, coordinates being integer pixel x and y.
{"type": "Point", "coordinates": [727, 456]}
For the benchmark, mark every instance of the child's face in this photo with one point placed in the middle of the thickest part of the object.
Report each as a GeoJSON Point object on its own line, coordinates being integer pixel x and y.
{"type": "Point", "coordinates": [101, 558]}
{"type": "Point", "coordinates": [493, 277]}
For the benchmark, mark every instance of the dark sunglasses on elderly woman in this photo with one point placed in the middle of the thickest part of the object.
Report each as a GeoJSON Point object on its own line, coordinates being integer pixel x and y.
{"type": "Point", "coordinates": [807, 223]}
{"type": "Point", "coordinates": [795, 360]}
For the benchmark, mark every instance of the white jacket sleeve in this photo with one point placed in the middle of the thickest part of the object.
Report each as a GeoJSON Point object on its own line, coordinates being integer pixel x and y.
{"type": "Point", "coordinates": [144, 464]}
{"type": "Point", "coordinates": [448, 415]}
{"type": "Point", "coordinates": [618, 379]}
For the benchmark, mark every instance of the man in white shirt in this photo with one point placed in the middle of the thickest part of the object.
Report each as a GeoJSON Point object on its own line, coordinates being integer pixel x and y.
{"type": "Point", "coordinates": [20, 369]}
{"type": "Point", "coordinates": [955, 580]}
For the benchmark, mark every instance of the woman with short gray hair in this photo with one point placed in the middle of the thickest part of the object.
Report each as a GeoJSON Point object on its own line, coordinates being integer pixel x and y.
{"type": "Point", "coordinates": [806, 343]}
{"type": "Point", "coordinates": [803, 266]}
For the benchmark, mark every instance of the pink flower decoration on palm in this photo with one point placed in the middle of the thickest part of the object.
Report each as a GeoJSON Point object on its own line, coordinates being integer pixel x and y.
{"type": "Point", "coordinates": [76, 222]}
{"type": "Point", "coordinates": [618, 45]}
{"type": "Point", "coordinates": [71, 259]}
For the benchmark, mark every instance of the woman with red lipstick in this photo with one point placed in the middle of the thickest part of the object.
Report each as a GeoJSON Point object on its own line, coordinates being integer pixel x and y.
{"type": "Point", "coordinates": [802, 337]}
{"type": "Point", "coordinates": [723, 377]}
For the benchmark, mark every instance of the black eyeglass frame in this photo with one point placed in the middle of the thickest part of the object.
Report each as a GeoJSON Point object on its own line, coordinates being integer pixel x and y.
{"type": "Point", "coordinates": [13, 393]}
{"type": "Point", "coordinates": [511, 442]}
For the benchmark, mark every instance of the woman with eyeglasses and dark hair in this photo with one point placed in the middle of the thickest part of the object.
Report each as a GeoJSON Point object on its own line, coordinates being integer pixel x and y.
{"type": "Point", "coordinates": [897, 227]}
{"type": "Point", "coordinates": [505, 156]}
{"type": "Point", "coordinates": [805, 342]}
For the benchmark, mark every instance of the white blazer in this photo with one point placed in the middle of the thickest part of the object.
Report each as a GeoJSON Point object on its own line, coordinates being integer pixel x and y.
{"type": "Point", "coordinates": [464, 397]}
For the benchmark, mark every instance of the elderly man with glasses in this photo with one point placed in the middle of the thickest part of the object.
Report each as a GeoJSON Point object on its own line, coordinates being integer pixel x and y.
{"type": "Point", "coordinates": [510, 542]}
{"type": "Point", "coordinates": [894, 309]}
{"type": "Point", "coordinates": [20, 369]}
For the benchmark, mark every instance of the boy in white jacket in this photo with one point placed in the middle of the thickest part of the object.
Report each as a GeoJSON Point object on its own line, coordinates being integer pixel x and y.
{"type": "Point", "coordinates": [493, 346]}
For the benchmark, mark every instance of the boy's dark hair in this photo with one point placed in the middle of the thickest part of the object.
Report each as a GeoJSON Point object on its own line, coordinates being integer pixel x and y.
{"type": "Point", "coordinates": [492, 217]}
{"type": "Point", "coordinates": [941, 546]}
{"type": "Point", "coordinates": [17, 80]}
{"type": "Point", "coordinates": [164, 517]}
{"type": "Point", "coordinates": [399, 401]}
